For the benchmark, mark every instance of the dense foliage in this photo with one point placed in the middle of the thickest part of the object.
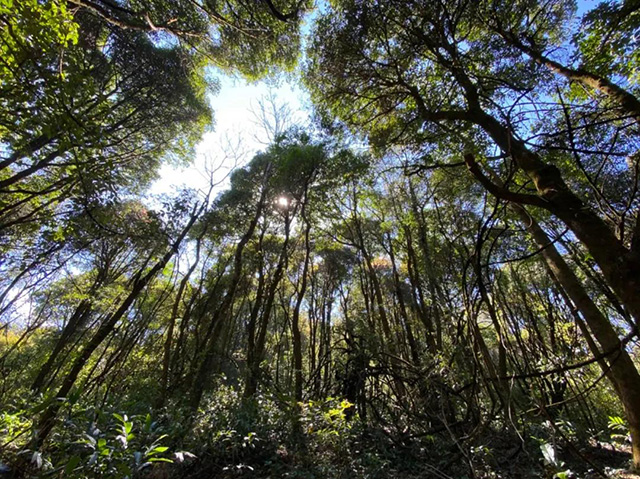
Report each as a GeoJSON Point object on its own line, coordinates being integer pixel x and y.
{"type": "Point", "coordinates": [441, 278]}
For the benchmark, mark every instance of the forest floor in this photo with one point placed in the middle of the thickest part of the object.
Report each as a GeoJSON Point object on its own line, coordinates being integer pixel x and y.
{"type": "Point", "coordinates": [616, 459]}
{"type": "Point", "coordinates": [594, 461]}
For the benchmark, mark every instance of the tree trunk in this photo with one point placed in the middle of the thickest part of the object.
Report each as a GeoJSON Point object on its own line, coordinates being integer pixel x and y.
{"type": "Point", "coordinates": [620, 267]}
{"type": "Point", "coordinates": [413, 346]}
{"type": "Point", "coordinates": [166, 359]}
{"type": "Point", "coordinates": [46, 422]}
{"type": "Point", "coordinates": [204, 369]}
{"type": "Point", "coordinates": [255, 353]}
{"type": "Point", "coordinates": [295, 319]}
{"type": "Point", "coordinates": [623, 372]}
{"type": "Point", "coordinates": [76, 322]}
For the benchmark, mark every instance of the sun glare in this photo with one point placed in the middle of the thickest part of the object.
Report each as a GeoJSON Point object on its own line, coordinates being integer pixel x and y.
{"type": "Point", "coordinates": [283, 201]}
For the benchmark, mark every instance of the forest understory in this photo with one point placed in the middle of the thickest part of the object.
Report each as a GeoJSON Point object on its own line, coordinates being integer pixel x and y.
{"type": "Point", "coordinates": [436, 276]}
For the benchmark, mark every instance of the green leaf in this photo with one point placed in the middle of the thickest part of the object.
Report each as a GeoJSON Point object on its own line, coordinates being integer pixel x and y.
{"type": "Point", "coordinates": [147, 423]}
{"type": "Point", "coordinates": [157, 450]}
{"type": "Point", "coordinates": [72, 464]}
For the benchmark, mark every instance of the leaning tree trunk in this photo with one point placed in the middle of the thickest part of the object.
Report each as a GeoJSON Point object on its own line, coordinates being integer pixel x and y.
{"type": "Point", "coordinates": [619, 265]}
{"type": "Point", "coordinates": [166, 358]}
{"type": "Point", "coordinates": [623, 372]}
{"type": "Point", "coordinates": [619, 365]}
{"type": "Point", "coordinates": [47, 419]}
{"type": "Point", "coordinates": [75, 323]}
{"type": "Point", "coordinates": [204, 369]}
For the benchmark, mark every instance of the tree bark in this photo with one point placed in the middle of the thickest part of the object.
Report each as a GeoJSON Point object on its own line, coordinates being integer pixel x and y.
{"type": "Point", "coordinates": [295, 319]}
{"type": "Point", "coordinates": [255, 353]}
{"type": "Point", "coordinates": [76, 321]}
{"type": "Point", "coordinates": [203, 371]}
{"type": "Point", "coordinates": [166, 358]}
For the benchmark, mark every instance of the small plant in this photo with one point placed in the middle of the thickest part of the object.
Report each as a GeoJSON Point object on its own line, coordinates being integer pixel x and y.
{"type": "Point", "coordinates": [129, 448]}
{"type": "Point", "coordinates": [553, 463]}
{"type": "Point", "coordinates": [618, 430]}
{"type": "Point", "coordinates": [13, 426]}
{"type": "Point", "coordinates": [328, 417]}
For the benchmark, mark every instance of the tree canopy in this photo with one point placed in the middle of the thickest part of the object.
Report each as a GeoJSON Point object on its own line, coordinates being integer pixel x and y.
{"type": "Point", "coordinates": [438, 277]}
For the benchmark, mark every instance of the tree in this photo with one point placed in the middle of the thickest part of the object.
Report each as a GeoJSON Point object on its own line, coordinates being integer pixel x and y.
{"type": "Point", "coordinates": [440, 77]}
{"type": "Point", "coordinates": [141, 281]}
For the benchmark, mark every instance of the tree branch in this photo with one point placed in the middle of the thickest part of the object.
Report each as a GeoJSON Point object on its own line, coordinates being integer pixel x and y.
{"type": "Point", "coordinates": [281, 16]}
{"type": "Point", "coordinates": [498, 191]}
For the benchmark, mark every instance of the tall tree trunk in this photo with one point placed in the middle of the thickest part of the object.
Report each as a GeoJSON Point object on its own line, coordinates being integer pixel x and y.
{"type": "Point", "coordinates": [204, 369]}
{"type": "Point", "coordinates": [252, 325]}
{"type": "Point", "coordinates": [382, 314]}
{"type": "Point", "coordinates": [623, 372]}
{"type": "Point", "coordinates": [432, 280]}
{"type": "Point", "coordinates": [501, 384]}
{"type": "Point", "coordinates": [166, 358]}
{"type": "Point", "coordinates": [419, 299]}
{"type": "Point", "coordinates": [255, 353]}
{"type": "Point", "coordinates": [620, 266]}
{"type": "Point", "coordinates": [413, 346]}
{"type": "Point", "coordinates": [295, 319]}
{"type": "Point", "coordinates": [77, 320]}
